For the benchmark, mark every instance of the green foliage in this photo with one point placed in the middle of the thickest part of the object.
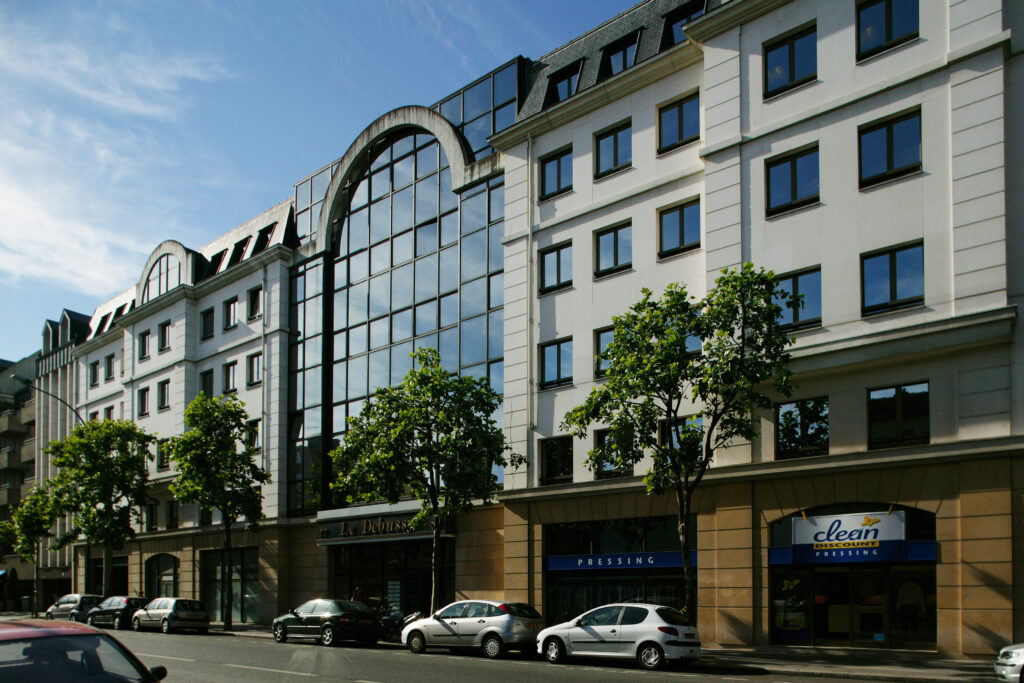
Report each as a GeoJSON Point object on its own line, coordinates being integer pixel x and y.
{"type": "Point", "coordinates": [102, 477]}
{"type": "Point", "coordinates": [217, 466]}
{"type": "Point", "coordinates": [32, 522]}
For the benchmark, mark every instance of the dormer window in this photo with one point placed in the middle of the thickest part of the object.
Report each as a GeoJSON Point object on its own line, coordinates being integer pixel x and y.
{"type": "Point", "coordinates": [677, 19]}
{"type": "Point", "coordinates": [164, 276]}
{"type": "Point", "coordinates": [238, 252]}
{"type": "Point", "coordinates": [562, 85]}
{"type": "Point", "coordinates": [619, 56]}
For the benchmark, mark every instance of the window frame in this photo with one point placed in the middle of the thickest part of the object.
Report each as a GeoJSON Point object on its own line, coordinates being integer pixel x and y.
{"type": "Point", "coordinates": [163, 460]}
{"type": "Point", "coordinates": [888, 123]}
{"type": "Point", "coordinates": [173, 517]}
{"type": "Point", "coordinates": [613, 472]}
{"type": "Point", "coordinates": [804, 452]}
{"type": "Point", "coordinates": [893, 304]}
{"type": "Point", "coordinates": [544, 448]}
{"type": "Point", "coordinates": [599, 372]}
{"type": "Point", "coordinates": [889, 42]}
{"type": "Point", "coordinates": [683, 245]}
{"type": "Point", "coordinates": [229, 377]}
{"type": "Point", "coordinates": [207, 323]}
{"type": "Point", "coordinates": [108, 367]}
{"type": "Point", "coordinates": [254, 361]}
{"type": "Point", "coordinates": [94, 373]}
{"type": "Point", "coordinates": [794, 202]}
{"type": "Point", "coordinates": [682, 141]}
{"type": "Point", "coordinates": [571, 73]}
{"type": "Point", "coordinates": [909, 441]}
{"type": "Point", "coordinates": [254, 295]}
{"type": "Point", "coordinates": [683, 15]}
{"type": "Point", "coordinates": [163, 395]}
{"type": "Point", "coordinates": [143, 402]}
{"type": "Point", "coordinates": [560, 381]}
{"type": "Point", "coordinates": [618, 267]}
{"type": "Point", "coordinates": [230, 313]}
{"type": "Point", "coordinates": [789, 40]}
{"type": "Point", "coordinates": [558, 156]}
{"type": "Point", "coordinates": [613, 49]}
{"type": "Point", "coordinates": [613, 132]}
{"type": "Point", "coordinates": [108, 413]}
{"type": "Point", "coordinates": [163, 336]}
{"type": "Point", "coordinates": [143, 342]}
{"type": "Point", "coordinates": [555, 249]}
{"type": "Point", "coordinates": [797, 323]}
{"type": "Point", "coordinates": [202, 375]}
{"type": "Point", "coordinates": [153, 516]}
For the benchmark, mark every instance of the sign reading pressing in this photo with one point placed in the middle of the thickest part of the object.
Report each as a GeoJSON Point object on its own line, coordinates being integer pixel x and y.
{"type": "Point", "coordinates": [634, 560]}
{"type": "Point", "coordinates": [861, 537]}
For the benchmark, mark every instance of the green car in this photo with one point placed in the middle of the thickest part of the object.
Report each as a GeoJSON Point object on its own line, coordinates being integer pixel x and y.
{"type": "Point", "coordinates": [329, 621]}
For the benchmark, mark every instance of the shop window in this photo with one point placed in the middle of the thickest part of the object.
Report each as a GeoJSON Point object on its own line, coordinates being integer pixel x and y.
{"type": "Point", "coordinates": [804, 286]}
{"type": "Point", "coordinates": [679, 123]}
{"type": "Point", "coordinates": [556, 363]}
{"type": "Point", "coordinates": [556, 460]}
{"type": "Point", "coordinates": [162, 576]}
{"type": "Point", "coordinates": [898, 415]}
{"type": "Point", "coordinates": [613, 250]}
{"type": "Point", "coordinates": [889, 149]}
{"type": "Point", "coordinates": [892, 279]}
{"type": "Point", "coordinates": [613, 150]}
{"type": "Point", "coordinates": [790, 61]}
{"type": "Point", "coordinates": [245, 588]}
{"type": "Point", "coordinates": [556, 173]}
{"type": "Point", "coordinates": [882, 24]}
{"type": "Point", "coordinates": [801, 428]}
{"type": "Point", "coordinates": [556, 268]}
{"type": "Point", "coordinates": [792, 181]}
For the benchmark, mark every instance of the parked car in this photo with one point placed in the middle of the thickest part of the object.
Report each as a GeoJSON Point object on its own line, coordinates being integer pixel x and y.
{"type": "Point", "coordinates": [650, 633]}
{"type": "Point", "coordinates": [492, 626]}
{"type": "Point", "coordinates": [171, 614]}
{"type": "Point", "coordinates": [73, 606]}
{"type": "Point", "coordinates": [115, 611]}
{"type": "Point", "coordinates": [36, 650]}
{"type": "Point", "coordinates": [1010, 662]}
{"type": "Point", "coordinates": [329, 621]}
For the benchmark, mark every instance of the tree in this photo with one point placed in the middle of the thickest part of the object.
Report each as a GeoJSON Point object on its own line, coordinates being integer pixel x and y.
{"type": "Point", "coordinates": [101, 481]}
{"type": "Point", "coordinates": [431, 437]}
{"type": "Point", "coordinates": [31, 524]}
{"type": "Point", "coordinates": [217, 468]}
{"type": "Point", "coordinates": [684, 378]}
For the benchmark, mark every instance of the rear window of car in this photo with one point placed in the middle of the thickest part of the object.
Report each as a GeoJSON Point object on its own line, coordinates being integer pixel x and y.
{"type": "Point", "coordinates": [521, 609]}
{"type": "Point", "coordinates": [672, 616]}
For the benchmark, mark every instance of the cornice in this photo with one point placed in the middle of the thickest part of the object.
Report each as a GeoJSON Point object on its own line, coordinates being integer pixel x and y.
{"type": "Point", "coordinates": [729, 15]}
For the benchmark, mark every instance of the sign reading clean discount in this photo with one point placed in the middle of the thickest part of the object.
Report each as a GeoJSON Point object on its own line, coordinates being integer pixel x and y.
{"type": "Point", "coordinates": [861, 537]}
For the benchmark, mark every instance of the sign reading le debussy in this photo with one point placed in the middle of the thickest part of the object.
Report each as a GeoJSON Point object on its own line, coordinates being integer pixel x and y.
{"type": "Point", "coordinates": [870, 537]}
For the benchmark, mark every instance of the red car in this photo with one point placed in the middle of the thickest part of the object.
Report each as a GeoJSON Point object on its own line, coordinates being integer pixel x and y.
{"type": "Point", "coordinates": [57, 651]}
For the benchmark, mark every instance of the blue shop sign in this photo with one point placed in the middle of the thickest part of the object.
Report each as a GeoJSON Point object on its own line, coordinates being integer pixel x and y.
{"type": "Point", "coordinates": [635, 560]}
{"type": "Point", "coordinates": [834, 539]}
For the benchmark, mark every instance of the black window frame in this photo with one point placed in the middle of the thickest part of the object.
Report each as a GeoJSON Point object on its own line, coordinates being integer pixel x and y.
{"type": "Point", "coordinates": [890, 41]}
{"type": "Point", "coordinates": [681, 140]}
{"type": "Point", "coordinates": [558, 157]}
{"type": "Point", "coordinates": [254, 361]}
{"type": "Point", "coordinates": [570, 74]}
{"type": "Point", "coordinates": [613, 50]}
{"type": "Point", "coordinates": [207, 323]}
{"type": "Point", "coordinates": [913, 440]}
{"type": "Point", "coordinates": [560, 284]}
{"type": "Point", "coordinates": [163, 459]}
{"type": "Point", "coordinates": [619, 266]}
{"type": "Point", "coordinates": [143, 342]}
{"type": "Point", "coordinates": [229, 377]}
{"type": "Point", "coordinates": [203, 380]}
{"type": "Point", "coordinates": [795, 202]}
{"type": "Point", "coordinates": [893, 304]}
{"type": "Point", "coordinates": [254, 299]}
{"type": "Point", "coordinates": [560, 381]}
{"type": "Point", "coordinates": [618, 165]}
{"type": "Point", "coordinates": [143, 400]}
{"type": "Point", "coordinates": [108, 413]}
{"type": "Point", "coordinates": [888, 123]}
{"type": "Point", "coordinates": [609, 472]}
{"type": "Point", "coordinates": [804, 452]}
{"type": "Point", "coordinates": [163, 395]}
{"type": "Point", "coordinates": [798, 323]}
{"type": "Point", "coordinates": [152, 515]}
{"type": "Point", "coordinates": [681, 15]}
{"type": "Point", "coordinates": [549, 449]}
{"type": "Point", "coordinates": [683, 245]}
{"type": "Point", "coordinates": [600, 372]}
{"type": "Point", "coordinates": [163, 336]}
{"type": "Point", "coordinates": [94, 373]}
{"type": "Point", "coordinates": [172, 514]}
{"type": "Point", "coordinates": [788, 40]}
{"type": "Point", "coordinates": [230, 313]}
{"type": "Point", "coordinates": [108, 367]}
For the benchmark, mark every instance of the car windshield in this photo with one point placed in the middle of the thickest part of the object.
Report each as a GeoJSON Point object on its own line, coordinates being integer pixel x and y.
{"type": "Point", "coordinates": [188, 606]}
{"type": "Point", "coordinates": [672, 616]}
{"type": "Point", "coordinates": [66, 658]}
{"type": "Point", "coordinates": [521, 609]}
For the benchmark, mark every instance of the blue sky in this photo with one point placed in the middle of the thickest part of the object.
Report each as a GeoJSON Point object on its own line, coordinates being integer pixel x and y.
{"type": "Point", "coordinates": [125, 123]}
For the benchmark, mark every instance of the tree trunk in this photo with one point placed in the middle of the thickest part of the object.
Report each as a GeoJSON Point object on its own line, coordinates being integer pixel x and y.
{"type": "Point", "coordinates": [435, 567]}
{"type": "Point", "coordinates": [689, 580]}
{"type": "Point", "coordinates": [225, 573]}
{"type": "Point", "coordinates": [85, 565]}
{"type": "Point", "coordinates": [108, 564]}
{"type": "Point", "coordinates": [36, 586]}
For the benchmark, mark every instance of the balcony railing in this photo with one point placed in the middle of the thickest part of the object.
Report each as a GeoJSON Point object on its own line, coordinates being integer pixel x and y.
{"type": "Point", "coordinates": [9, 458]}
{"type": "Point", "coordinates": [10, 421]}
{"type": "Point", "coordinates": [28, 412]}
{"type": "Point", "coordinates": [28, 451]}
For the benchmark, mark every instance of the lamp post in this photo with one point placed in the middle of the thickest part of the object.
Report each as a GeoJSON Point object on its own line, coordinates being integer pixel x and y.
{"type": "Point", "coordinates": [30, 383]}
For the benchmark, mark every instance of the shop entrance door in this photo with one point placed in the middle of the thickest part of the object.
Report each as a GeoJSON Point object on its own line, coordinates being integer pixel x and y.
{"type": "Point", "coordinates": [850, 607]}
{"type": "Point", "coordinates": [868, 609]}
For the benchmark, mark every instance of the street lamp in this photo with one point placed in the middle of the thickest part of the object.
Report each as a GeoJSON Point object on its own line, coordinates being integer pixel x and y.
{"type": "Point", "coordinates": [31, 384]}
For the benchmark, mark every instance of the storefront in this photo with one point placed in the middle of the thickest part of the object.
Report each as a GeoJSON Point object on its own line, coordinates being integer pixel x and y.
{"type": "Point", "coordinates": [855, 574]}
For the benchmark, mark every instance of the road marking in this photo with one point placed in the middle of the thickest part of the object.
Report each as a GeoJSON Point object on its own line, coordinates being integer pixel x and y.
{"type": "Point", "coordinates": [177, 659]}
{"type": "Point", "coordinates": [273, 671]}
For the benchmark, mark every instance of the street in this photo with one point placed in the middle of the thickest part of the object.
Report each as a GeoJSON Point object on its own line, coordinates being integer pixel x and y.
{"type": "Point", "coordinates": [217, 657]}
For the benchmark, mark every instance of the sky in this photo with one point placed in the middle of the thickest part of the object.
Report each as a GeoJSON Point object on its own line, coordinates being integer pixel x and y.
{"type": "Point", "coordinates": [125, 123]}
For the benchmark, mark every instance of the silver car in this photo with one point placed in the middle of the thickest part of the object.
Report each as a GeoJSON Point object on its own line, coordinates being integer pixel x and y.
{"type": "Point", "coordinates": [1009, 663]}
{"type": "Point", "coordinates": [492, 626]}
{"type": "Point", "coordinates": [170, 614]}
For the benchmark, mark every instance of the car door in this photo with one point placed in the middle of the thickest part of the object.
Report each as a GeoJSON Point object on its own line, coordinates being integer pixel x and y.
{"type": "Point", "coordinates": [63, 608]}
{"type": "Point", "coordinates": [314, 619]}
{"type": "Point", "coordinates": [104, 611]}
{"type": "Point", "coordinates": [443, 628]}
{"type": "Point", "coordinates": [151, 617]}
{"type": "Point", "coordinates": [596, 632]}
{"type": "Point", "coordinates": [299, 624]}
{"type": "Point", "coordinates": [472, 621]}
{"type": "Point", "coordinates": [632, 629]}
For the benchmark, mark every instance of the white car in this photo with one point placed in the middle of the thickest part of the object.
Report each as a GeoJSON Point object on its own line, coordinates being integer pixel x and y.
{"type": "Point", "coordinates": [1010, 662]}
{"type": "Point", "coordinates": [650, 633]}
{"type": "Point", "coordinates": [492, 626]}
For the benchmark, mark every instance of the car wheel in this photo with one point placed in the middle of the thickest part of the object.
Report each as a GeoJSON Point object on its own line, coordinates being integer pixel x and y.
{"type": "Point", "coordinates": [650, 656]}
{"type": "Point", "coordinates": [49, 616]}
{"type": "Point", "coordinates": [493, 647]}
{"type": "Point", "coordinates": [117, 623]}
{"type": "Point", "coordinates": [554, 651]}
{"type": "Point", "coordinates": [136, 624]}
{"type": "Point", "coordinates": [165, 626]}
{"type": "Point", "coordinates": [416, 642]}
{"type": "Point", "coordinates": [327, 636]}
{"type": "Point", "coordinates": [89, 620]}
{"type": "Point", "coordinates": [280, 635]}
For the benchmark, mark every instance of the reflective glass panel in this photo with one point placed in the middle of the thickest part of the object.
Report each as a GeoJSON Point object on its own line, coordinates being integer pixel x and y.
{"type": "Point", "coordinates": [426, 277]}
{"type": "Point", "coordinates": [474, 255]}
{"type": "Point", "coordinates": [402, 247]}
{"type": "Point", "coordinates": [474, 340]}
{"type": "Point", "coordinates": [474, 297]}
{"type": "Point", "coordinates": [401, 325]}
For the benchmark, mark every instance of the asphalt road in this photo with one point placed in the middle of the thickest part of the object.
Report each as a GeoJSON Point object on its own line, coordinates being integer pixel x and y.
{"type": "Point", "coordinates": [221, 658]}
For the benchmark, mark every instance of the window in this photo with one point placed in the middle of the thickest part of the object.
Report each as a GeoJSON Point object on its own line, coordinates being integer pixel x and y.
{"type": "Point", "coordinates": [608, 470]}
{"type": "Point", "coordinates": [556, 173]}
{"type": "Point", "coordinates": [669, 432]}
{"type": "Point", "coordinates": [677, 19]}
{"type": "Point", "coordinates": [898, 416]}
{"type": "Point", "coordinates": [892, 279]}
{"type": "Point", "coordinates": [255, 303]}
{"type": "Point", "coordinates": [882, 24]}
{"type": "Point", "coordinates": [108, 368]}
{"type": "Point", "coordinates": [94, 416]}
{"type": "Point", "coordinates": [679, 229]}
{"type": "Point", "coordinates": [614, 150]}
{"type": "Point", "coordinates": [602, 338]}
{"type": "Point", "coordinates": [172, 514]}
{"type": "Point", "coordinates": [206, 382]}
{"type": "Point", "coordinates": [556, 363]}
{"type": "Point", "coordinates": [229, 377]}
{"type": "Point", "coordinates": [163, 336]}
{"type": "Point", "coordinates": [143, 345]}
{"type": "Point", "coordinates": [792, 181]}
{"type": "Point", "coordinates": [556, 460]}
{"type": "Point", "coordinates": [254, 369]}
{"type": "Point", "coordinates": [163, 395]}
{"type": "Point", "coordinates": [806, 288]}
{"type": "Point", "coordinates": [889, 149]}
{"type": "Point", "coordinates": [614, 250]}
{"type": "Point", "coordinates": [108, 413]}
{"type": "Point", "coordinates": [556, 267]}
{"type": "Point", "coordinates": [230, 313]}
{"type": "Point", "coordinates": [94, 373]}
{"type": "Point", "coordinates": [205, 516]}
{"type": "Point", "coordinates": [254, 437]}
{"type": "Point", "coordinates": [801, 428]}
{"type": "Point", "coordinates": [143, 401]}
{"type": "Point", "coordinates": [619, 56]}
{"type": "Point", "coordinates": [790, 61]}
{"type": "Point", "coordinates": [152, 516]}
{"type": "Point", "coordinates": [562, 84]}
{"type": "Point", "coordinates": [206, 324]}
{"type": "Point", "coordinates": [163, 459]}
{"type": "Point", "coordinates": [679, 123]}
